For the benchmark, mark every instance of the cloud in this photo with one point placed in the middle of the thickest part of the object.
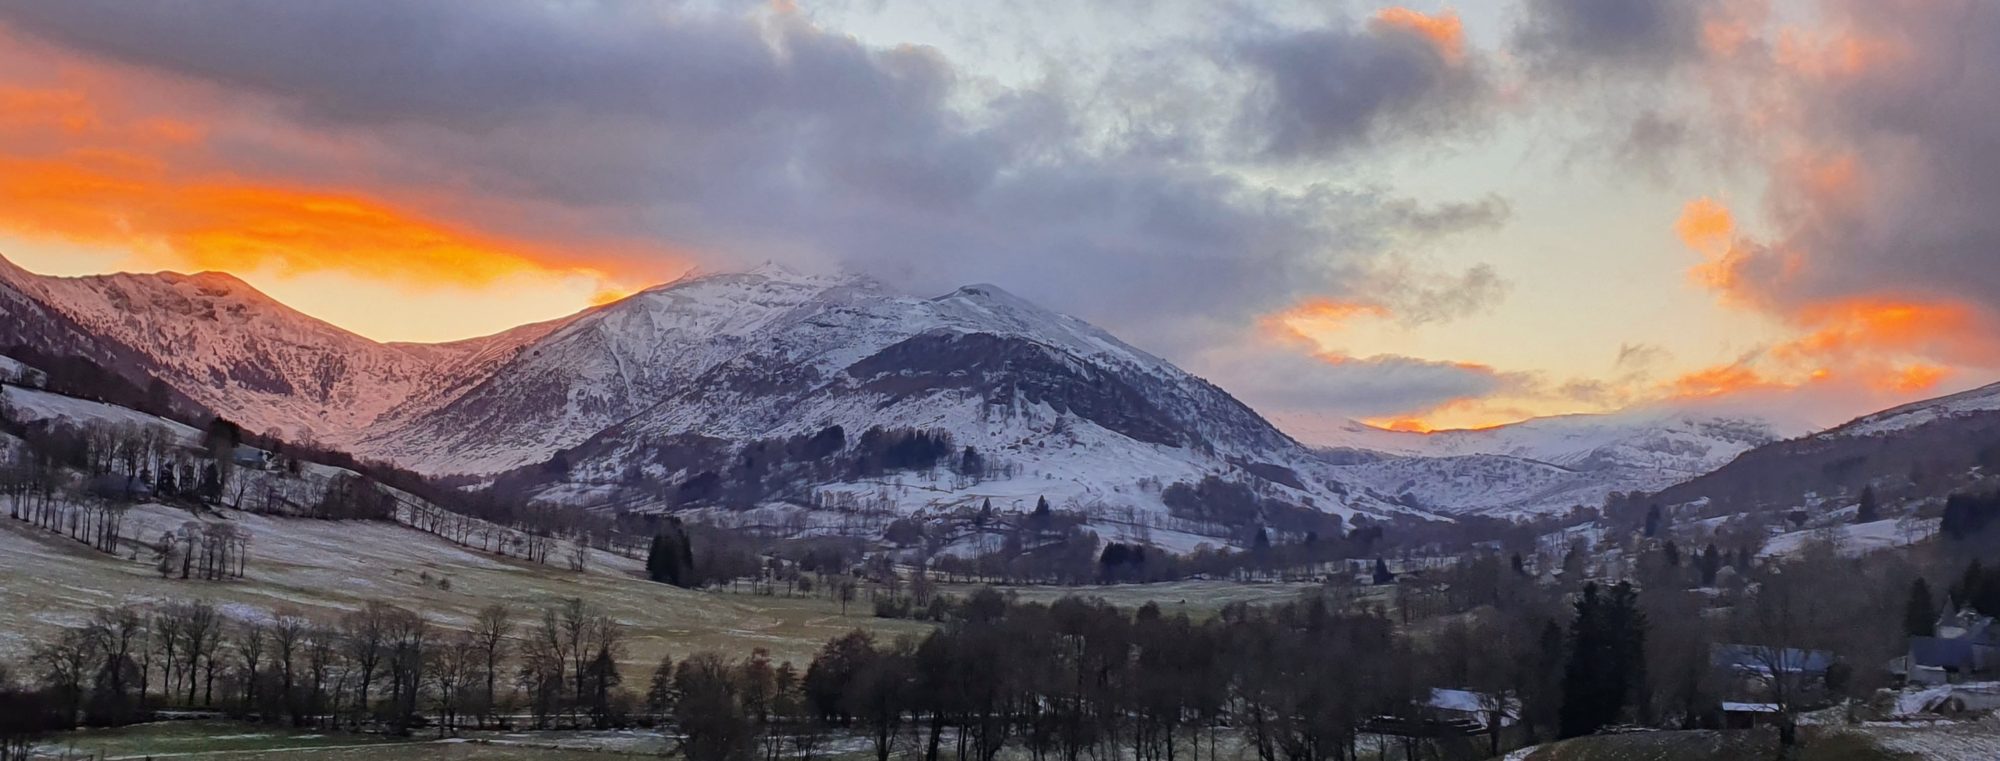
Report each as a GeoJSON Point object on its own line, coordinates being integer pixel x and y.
{"type": "Point", "coordinates": [728, 138]}
{"type": "Point", "coordinates": [1331, 89]}
{"type": "Point", "coordinates": [1577, 37]}
{"type": "Point", "coordinates": [1285, 381]}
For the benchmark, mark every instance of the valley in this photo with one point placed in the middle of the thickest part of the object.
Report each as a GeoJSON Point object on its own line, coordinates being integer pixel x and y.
{"type": "Point", "coordinates": [736, 472]}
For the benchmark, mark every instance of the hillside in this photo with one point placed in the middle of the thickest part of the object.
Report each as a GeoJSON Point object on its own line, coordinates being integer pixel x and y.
{"type": "Point", "coordinates": [632, 403]}
{"type": "Point", "coordinates": [1544, 465]}
{"type": "Point", "coordinates": [1918, 451]}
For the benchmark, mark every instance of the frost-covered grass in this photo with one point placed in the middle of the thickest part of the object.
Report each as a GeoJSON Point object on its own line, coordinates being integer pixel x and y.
{"type": "Point", "coordinates": [1704, 745]}
{"type": "Point", "coordinates": [199, 738]}
{"type": "Point", "coordinates": [235, 740]}
{"type": "Point", "coordinates": [325, 568]}
{"type": "Point", "coordinates": [1198, 599]}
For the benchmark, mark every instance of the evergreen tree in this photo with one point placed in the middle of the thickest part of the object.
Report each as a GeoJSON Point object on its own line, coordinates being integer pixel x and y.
{"type": "Point", "coordinates": [1653, 519]}
{"type": "Point", "coordinates": [1920, 615]}
{"type": "Point", "coordinates": [1711, 562]}
{"type": "Point", "coordinates": [1868, 511]}
{"type": "Point", "coordinates": [1606, 667]}
{"type": "Point", "coordinates": [1968, 586]}
{"type": "Point", "coordinates": [1382, 574]}
{"type": "Point", "coordinates": [670, 559]}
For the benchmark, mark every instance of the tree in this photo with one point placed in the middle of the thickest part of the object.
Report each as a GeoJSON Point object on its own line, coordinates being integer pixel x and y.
{"type": "Point", "coordinates": [1920, 615]}
{"type": "Point", "coordinates": [1868, 511]}
{"type": "Point", "coordinates": [1382, 574]}
{"type": "Point", "coordinates": [709, 710]}
{"type": "Point", "coordinates": [1606, 659]}
{"type": "Point", "coordinates": [490, 632]}
{"type": "Point", "coordinates": [1711, 564]}
{"type": "Point", "coordinates": [660, 691]}
{"type": "Point", "coordinates": [670, 560]}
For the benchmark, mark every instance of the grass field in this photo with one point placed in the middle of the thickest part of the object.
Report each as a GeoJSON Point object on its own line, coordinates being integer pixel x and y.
{"type": "Point", "coordinates": [1198, 599]}
{"type": "Point", "coordinates": [1945, 741]}
{"type": "Point", "coordinates": [325, 568]}
{"type": "Point", "coordinates": [235, 741]}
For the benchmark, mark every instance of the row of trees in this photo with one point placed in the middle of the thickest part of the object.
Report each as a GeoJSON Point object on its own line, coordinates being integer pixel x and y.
{"type": "Point", "coordinates": [1316, 679]}
{"type": "Point", "coordinates": [380, 665]}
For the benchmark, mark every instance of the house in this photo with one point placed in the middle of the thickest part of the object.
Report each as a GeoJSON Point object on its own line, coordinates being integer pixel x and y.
{"type": "Point", "coordinates": [1749, 715]}
{"type": "Point", "coordinates": [1763, 673]}
{"type": "Point", "coordinates": [1764, 661]}
{"type": "Point", "coordinates": [1966, 644]}
{"type": "Point", "coordinates": [1473, 707]}
{"type": "Point", "coordinates": [247, 456]}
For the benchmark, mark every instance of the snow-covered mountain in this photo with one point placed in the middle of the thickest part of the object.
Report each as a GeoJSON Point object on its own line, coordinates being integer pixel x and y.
{"type": "Point", "coordinates": [1973, 404]}
{"type": "Point", "coordinates": [234, 350]}
{"type": "Point", "coordinates": [641, 391]}
{"type": "Point", "coordinates": [1911, 454]}
{"type": "Point", "coordinates": [1546, 465]}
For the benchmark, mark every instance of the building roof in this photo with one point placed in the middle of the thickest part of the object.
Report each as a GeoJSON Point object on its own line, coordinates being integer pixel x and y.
{"type": "Point", "coordinates": [1729, 707]}
{"type": "Point", "coordinates": [1760, 659]}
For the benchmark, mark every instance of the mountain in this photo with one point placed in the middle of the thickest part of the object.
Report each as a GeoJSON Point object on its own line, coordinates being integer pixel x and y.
{"type": "Point", "coordinates": [634, 403]}
{"type": "Point", "coordinates": [1544, 465]}
{"type": "Point", "coordinates": [234, 350]}
{"type": "Point", "coordinates": [1914, 453]}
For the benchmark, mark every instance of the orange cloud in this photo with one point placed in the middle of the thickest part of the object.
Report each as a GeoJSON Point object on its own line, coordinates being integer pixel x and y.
{"type": "Point", "coordinates": [1444, 31]}
{"type": "Point", "coordinates": [130, 202]}
{"type": "Point", "coordinates": [1863, 325]}
{"type": "Point", "coordinates": [1468, 414]}
{"type": "Point", "coordinates": [1717, 381]}
{"type": "Point", "coordinates": [69, 172]}
{"type": "Point", "coordinates": [1881, 345]}
{"type": "Point", "coordinates": [1318, 316]}
{"type": "Point", "coordinates": [1835, 53]}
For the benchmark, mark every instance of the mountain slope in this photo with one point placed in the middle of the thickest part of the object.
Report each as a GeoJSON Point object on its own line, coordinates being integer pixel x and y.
{"type": "Point", "coordinates": [676, 381]}
{"type": "Point", "coordinates": [1914, 452]}
{"type": "Point", "coordinates": [1546, 465]}
{"type": "Point", "coordinates": [232, 349]}
{"type": "Point", "coordinates": [643, 397]}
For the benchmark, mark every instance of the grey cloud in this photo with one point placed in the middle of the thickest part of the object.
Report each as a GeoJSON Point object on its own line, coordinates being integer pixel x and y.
{"type": "Point", "coordinates": [1280, 378]}
{"type": "Point", "coordinates": [1573, 37]}
{"type": "Point", "coordinates": [745, 138]}
{"type": "Point", "coordinates": [1923, 130]}
{"type": "Point", "coordinates": [1342, 86]}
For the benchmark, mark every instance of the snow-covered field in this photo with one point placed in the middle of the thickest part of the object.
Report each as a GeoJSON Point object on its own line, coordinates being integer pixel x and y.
{"type": "Point", "coordinates": [14, 371]}
{"type": "Point", "coordinates": [1854, 540]}
{"type": "Point", "coordinates": [42, 405]}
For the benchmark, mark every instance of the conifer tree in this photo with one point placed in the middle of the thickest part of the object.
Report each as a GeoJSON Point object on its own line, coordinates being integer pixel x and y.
{"type": "Point", "coordinates": [1920, 614]}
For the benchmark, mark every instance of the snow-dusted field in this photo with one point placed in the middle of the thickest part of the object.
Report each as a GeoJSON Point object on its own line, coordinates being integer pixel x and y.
{"type": "Point", "coordinates": [328, 567]}
{"type": "Point", "coordinates": [1855, 540]}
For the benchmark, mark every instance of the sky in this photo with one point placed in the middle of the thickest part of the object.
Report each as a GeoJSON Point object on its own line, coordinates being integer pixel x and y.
{"type": "Point", "coordinates": [1420, 216]}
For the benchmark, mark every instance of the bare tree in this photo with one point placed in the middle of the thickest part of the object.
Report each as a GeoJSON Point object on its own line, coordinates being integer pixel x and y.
{"type": "Point", "coordinates": [490, 633]}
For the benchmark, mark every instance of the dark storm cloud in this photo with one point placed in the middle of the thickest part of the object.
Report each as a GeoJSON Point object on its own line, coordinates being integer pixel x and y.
{"type": "Point", "coordinates": [1579, 36]}
{"type": "Point", "coordinates": [743, 138]}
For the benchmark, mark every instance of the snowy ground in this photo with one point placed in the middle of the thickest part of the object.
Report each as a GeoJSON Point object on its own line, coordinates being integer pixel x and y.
{"type": "Point", "coordinates": [42, 405]}
{"type": "Point", "coordinates": [1854, 540]}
